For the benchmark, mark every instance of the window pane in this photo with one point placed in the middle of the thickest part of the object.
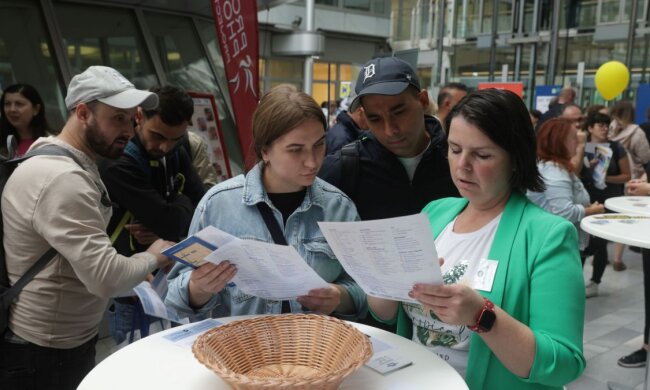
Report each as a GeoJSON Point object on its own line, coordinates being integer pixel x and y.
{"type": "Point", "coordinates": [361, 5]}
{"type": "Point", "coordinates": [105, 36]}
{"type": "Point", "coordinates": [609, 11]}
{"type": "Point", "coordinates": [380, 7]}
{"type": "Point", "coordinates": [26, 56]}
{"type": "Point", "coordinates": [286, 69]}
{"type": "Point", "coordinates": [320, 71]}
{"type": "Point", "coordinates": [468, 13]}
{"type": "Point", "coordinates": [487, 16]}
{"type": "Point", "coordinates": [402, 19]}
{"type": "Point", "coordinates": [327, 2]}
{"type": "Point", "coordinates": [180, 53]}
{"type": "Point", "coordinates": [320, 94]}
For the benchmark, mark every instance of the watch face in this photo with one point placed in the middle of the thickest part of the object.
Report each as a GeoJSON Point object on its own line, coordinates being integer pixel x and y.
{"type": "Point", "coordinates": [487, 320]}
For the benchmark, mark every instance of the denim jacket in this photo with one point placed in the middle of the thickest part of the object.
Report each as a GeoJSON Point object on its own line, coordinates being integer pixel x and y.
{"type": "Point", "coordinates": [231, 207]}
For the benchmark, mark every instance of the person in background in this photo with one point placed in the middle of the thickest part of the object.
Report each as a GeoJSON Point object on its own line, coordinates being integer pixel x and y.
{"type": "Point", "coordinates": [448, 97]}
{"type": "Point", "coordinates": [56, 202]}
{"type": "Point", "coordinates": [573, 113]}
{"type": "Point", "coordinates": [629, 134]}
{"type": "Point", "coordinates": [567, 95]}
{"type": "Point", "coordinates": [565, 194]}
{"type": "Point", "coordinates": [602, 188]}
{"type": "Point", "coordinates": [197, 148]}
{"type": "Point", "coordinates": [23, 116]}
{"type": "Point", "coordinates": [289, 141]}
{"type": "Point", "coordinates": [530, 293]}
{"type": "Point", "coordinates": [154, 189]}
{"type": "Point", "coordinates": [350, 125]}
{"type": "Point", "coordinates": [594, 108]}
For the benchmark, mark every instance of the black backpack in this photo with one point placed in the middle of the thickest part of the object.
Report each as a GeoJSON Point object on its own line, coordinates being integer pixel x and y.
{"type": "Point", "coordinates": [7, 292]}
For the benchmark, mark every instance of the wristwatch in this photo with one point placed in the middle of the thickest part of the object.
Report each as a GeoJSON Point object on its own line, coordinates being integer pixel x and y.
{"type": "Point", "coordinates": [485, 319]}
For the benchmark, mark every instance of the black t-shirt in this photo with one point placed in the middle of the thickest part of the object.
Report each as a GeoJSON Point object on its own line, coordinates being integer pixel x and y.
{"type": "Point", "coordinates": [287, 202]}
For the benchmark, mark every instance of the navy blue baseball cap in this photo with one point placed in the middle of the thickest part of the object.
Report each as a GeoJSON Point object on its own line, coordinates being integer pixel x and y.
{"type": "Point", "coordinates": [384, 76]}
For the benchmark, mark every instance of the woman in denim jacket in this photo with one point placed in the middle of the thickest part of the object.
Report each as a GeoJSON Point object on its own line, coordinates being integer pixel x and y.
{"type": "Point", "coordinates": [289, 139]}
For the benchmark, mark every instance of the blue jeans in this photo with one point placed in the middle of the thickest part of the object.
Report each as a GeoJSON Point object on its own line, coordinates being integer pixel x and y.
{"type": "Point", "coordinates": [27, 366]}
{"type": "Point", "coordinates": [125, 316]}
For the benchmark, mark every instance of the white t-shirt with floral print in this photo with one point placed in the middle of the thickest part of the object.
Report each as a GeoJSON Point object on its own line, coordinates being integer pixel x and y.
{"type": "Point", "coordinates": [462, 253]}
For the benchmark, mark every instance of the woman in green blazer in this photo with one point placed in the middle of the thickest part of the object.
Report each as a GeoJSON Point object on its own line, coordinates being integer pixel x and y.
{"type": "Point", "coordinates": [511, 312]}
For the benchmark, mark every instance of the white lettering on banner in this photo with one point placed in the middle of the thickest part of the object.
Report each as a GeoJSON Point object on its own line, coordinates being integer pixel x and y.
{"type": "Point", "coordinates": [245, 66]}
{"type": "Point", "coordinates": [231, 29]}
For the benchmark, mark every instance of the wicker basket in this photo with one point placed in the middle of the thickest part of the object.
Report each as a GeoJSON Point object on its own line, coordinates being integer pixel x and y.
{"type": "Point", "coordinates": [291, 351]}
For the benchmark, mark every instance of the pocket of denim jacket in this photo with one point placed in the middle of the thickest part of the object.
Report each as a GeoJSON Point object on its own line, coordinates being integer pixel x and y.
{"type": "Point", "coordinates": [319, 250]}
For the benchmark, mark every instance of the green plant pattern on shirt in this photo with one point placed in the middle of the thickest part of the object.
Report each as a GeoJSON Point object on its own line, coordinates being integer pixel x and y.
{"type": "Point", "coordinates": [435, 333]}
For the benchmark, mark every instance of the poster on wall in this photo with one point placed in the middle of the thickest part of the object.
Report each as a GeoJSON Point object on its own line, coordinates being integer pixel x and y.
{"type": "Point", "coordinates": [205, 122]}
{"type": "Point", "coordinates": [544, 94]}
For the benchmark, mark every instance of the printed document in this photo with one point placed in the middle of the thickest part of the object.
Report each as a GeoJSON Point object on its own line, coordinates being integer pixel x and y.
{"type": "Point", "coordinates": [386, 257]}
{"type": "Point", "coordinates": [265, 270]}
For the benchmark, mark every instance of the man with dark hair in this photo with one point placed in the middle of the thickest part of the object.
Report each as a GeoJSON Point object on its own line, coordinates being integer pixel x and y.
{"type": "Point", "coordinates": [60, 202]}
{"type": "Point", "coordinates": [350, 125]}
{"type": "Point", "coordinates": [448, 97]}
{"type": "Point", "coordinates": [153, 185]}
{"type": "Point", "coordinates": [401, 165]}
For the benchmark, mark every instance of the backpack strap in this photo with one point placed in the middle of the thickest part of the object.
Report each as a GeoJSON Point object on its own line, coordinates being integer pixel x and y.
{"type": "Point", "coordinates": [10, 294]}
{"type": "Point", "coordinates": [350, 168]}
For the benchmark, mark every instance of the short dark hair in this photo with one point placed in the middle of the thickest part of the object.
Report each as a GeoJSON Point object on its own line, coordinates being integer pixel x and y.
{"type": "Point", "coordinates": [536, 114]}
{"type": "Point", "coordinates": [38, 125]}
{"type": "Point", "coordinates": [175, 106]}
{"type": "Point", "coordinates": [597, 117]}
{"type": "Point", "coordinates": [503, 117]}
{"type": "Point", "coordinates": [444, 94]}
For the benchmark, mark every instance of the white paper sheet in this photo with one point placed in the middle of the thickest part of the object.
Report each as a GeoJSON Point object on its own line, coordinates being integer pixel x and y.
{"type": "Point", "coordinates": [154, 306]}
{"type": "Point", "coordinates": [388, 256]}
{"type": "Point", "coordinates": [268, 271]}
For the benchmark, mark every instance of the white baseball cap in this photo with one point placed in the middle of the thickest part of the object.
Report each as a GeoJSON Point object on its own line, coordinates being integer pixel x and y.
{"type": "Point", "coordinates": [108, 86]}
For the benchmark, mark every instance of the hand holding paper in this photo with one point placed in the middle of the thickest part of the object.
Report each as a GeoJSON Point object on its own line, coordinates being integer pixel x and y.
{"type": "Point", "coordinates": [386, 257]}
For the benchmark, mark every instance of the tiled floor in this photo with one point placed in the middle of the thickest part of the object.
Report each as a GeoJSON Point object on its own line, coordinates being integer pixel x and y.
{"type": "Point", "coordinates": [613, 328]}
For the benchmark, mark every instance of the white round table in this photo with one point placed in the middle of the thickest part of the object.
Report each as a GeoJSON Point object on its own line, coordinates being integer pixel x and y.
{"type": "Point", "coordinates": [631, 229]}
{"type": "Point", "coordinates": [629, 204]}
{"type": "Point", "coordinates": [157, 363]}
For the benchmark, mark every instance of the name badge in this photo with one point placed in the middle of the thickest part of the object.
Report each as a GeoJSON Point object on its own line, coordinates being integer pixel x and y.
{"type": "Point", "coordinates": [484, 277]}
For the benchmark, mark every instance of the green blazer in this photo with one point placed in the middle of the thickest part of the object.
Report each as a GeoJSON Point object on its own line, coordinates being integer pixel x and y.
{"type": "Point", "coordinates": [538, 281]}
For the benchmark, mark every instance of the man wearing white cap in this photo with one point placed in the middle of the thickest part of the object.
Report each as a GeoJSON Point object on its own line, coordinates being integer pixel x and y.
{"type": "Point", "coordinates": [60, 202]}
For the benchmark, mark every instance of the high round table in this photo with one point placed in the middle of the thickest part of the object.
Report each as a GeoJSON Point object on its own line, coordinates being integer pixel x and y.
{"type": "Point", "coordinates": [629, 204]}
{"type": "Point", "coordinates": [630, 229]}
{"type": "Point", "coordinates": [157, 363]}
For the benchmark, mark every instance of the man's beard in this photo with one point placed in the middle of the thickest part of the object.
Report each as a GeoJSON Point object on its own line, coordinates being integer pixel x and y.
{"type": "Point", "coordinates": [98, 144]}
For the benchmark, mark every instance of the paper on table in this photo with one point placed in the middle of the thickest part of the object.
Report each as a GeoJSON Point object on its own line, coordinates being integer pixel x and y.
{"type": "Point", "coordinates": [386, 257]}
{"type": "Point", "coordinates": [268, 271]}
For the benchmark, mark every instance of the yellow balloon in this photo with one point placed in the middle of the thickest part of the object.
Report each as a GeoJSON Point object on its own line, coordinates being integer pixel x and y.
{"type": "Point", "coordinates": [611, 79]}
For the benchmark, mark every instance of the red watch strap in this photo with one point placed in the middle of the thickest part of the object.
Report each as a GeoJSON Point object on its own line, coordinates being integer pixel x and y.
{"type": "Point", "coordinates": [487, 306]}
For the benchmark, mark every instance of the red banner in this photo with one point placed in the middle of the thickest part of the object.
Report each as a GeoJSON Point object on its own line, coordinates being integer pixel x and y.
{"type": "Point", "coordinates": [236, 23]}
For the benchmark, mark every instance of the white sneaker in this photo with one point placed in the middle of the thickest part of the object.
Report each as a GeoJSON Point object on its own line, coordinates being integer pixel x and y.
{"type": "Point", "coordinates": [591, 290]}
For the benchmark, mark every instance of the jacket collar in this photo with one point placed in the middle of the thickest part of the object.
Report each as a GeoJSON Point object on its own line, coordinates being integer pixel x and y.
{"type": "Point", "coordinates": [254, 191]}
